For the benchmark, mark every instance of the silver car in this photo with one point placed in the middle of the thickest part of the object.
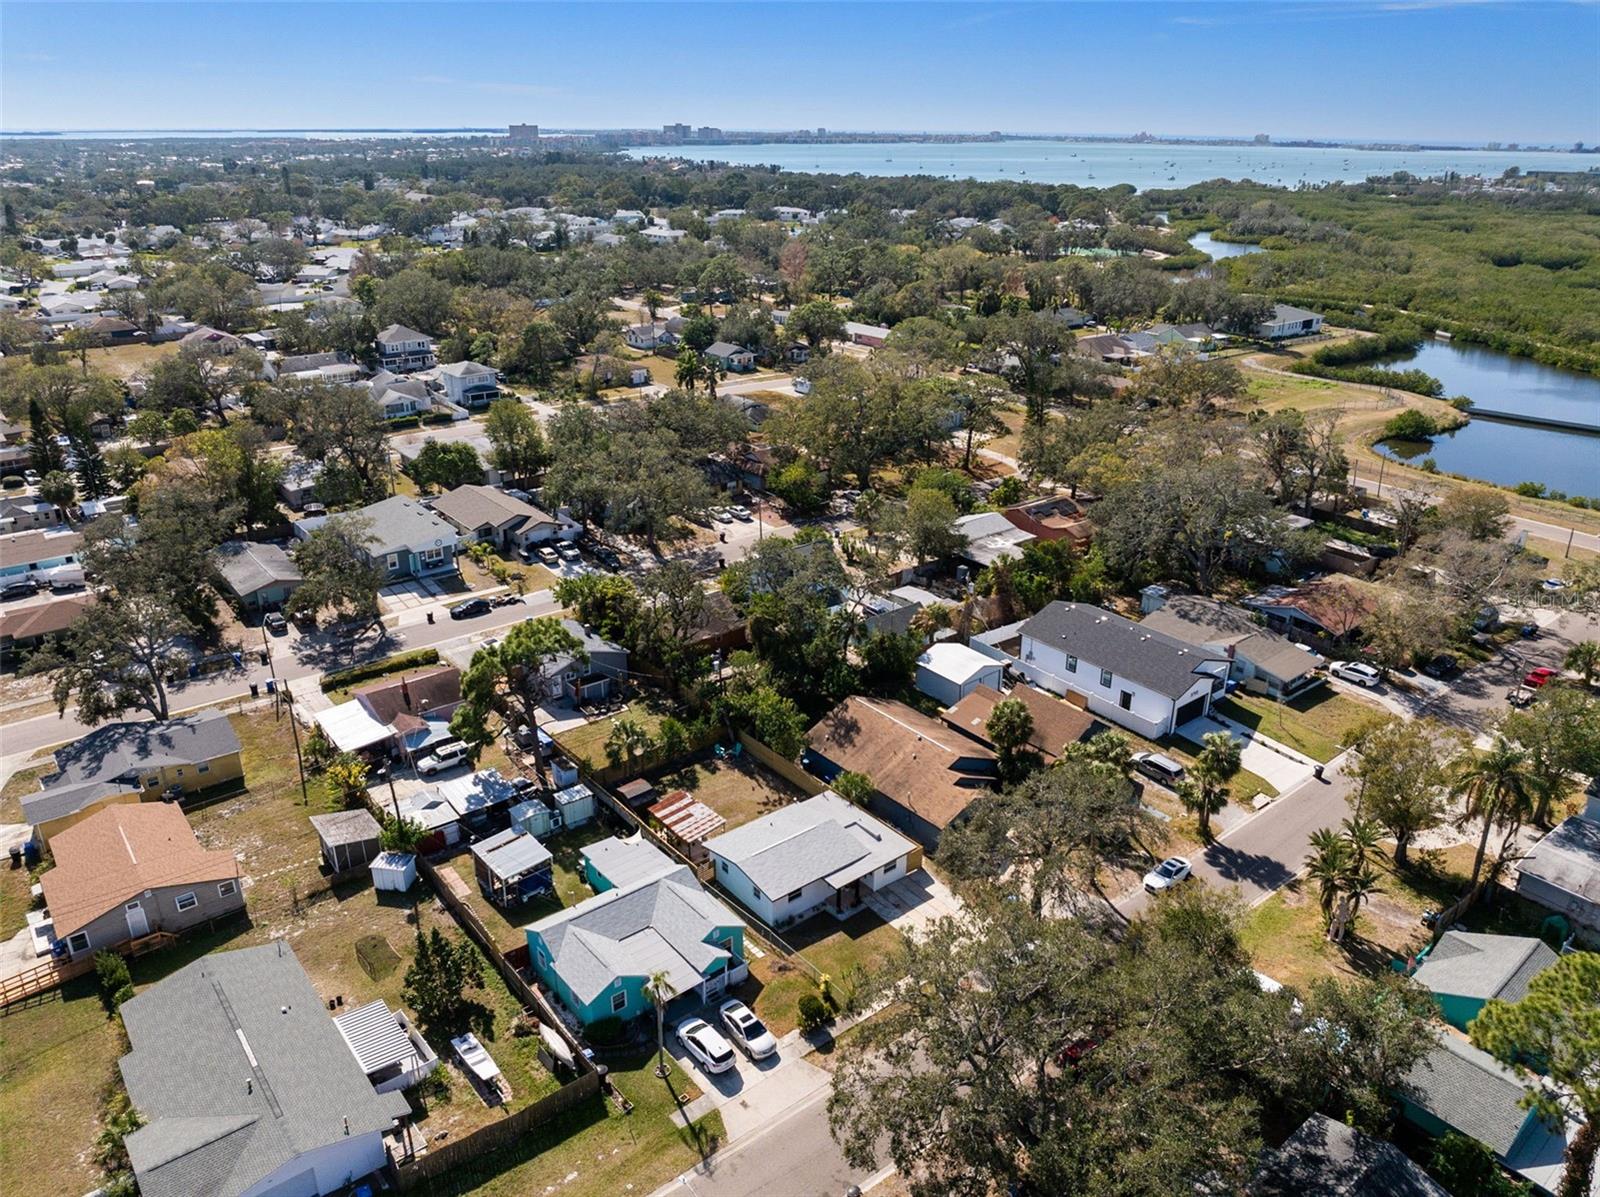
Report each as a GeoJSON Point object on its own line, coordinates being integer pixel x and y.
{"type": "Point", "coordinates": [746, 1030]}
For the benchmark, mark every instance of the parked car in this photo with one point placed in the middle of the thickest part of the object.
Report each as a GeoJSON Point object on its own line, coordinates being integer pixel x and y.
{"type": "Point", "coordinates": [548, 556]}
{"type": "Point", "coordinates": [748, 1031]}
{"type": "Point", "coordinates": [19, 588]}
{"type": "Point", "coordinates": [1554, 584]}
{"type": "Point", "coordinates": [740, 512]}
{"type": "Point", "coordinates": [1442, 666]}
{"type": "Point", "coordinates": [443, 758]}
{"type": "Point", "coordinates": [1542, 676]}
{"type": "Point", "coordinates": [606, 556]}
{"type": "Point", "coordinates": [702, 1041]}
{"type": "Point", "coordinates": [470, 609]}
{"type": "Point", "coordinates": [1158, 767]}
{"type": "Point", "coordinates": [1355, 671]}
{"type": "Point", "coordinates": [275, 623]}
{"type": "Point", "coordinates": [1520, 696]}
{"type": "Point", "coordinates": [505, 600]}
{"type": "Point", "coordinates": [568, 551]}
{"type": "Point", "coordinates": [722, 515]}
{"type": "Point", "coordinates": [1171, 872]}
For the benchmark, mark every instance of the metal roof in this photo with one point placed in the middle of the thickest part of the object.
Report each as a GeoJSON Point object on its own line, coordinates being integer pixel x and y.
{"type": "Point", "coordinates": [376, 1038]}
{"type": "Point", "coordinates": [512, 854]}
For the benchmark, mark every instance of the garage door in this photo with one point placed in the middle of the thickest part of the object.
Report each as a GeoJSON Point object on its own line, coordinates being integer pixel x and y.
{"type": "Point", "coordinates": [1192, 709]}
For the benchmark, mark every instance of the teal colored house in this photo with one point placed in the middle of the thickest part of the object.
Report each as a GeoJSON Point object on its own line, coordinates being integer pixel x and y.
{"type": "Point", "coordinates": [1465, 970]}
{"type": "Point", "coordinates": [597, 956]}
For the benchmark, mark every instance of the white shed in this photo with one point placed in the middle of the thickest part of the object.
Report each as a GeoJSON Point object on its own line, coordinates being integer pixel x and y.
{"type": "Point", "coordinates": [394, 870]}
{"type": "Point", "coordinates": [948, 672]}
{"type": "Point", "coordinates": [575, 805]}
{"type": "Point", "coordinates": [533, 818]}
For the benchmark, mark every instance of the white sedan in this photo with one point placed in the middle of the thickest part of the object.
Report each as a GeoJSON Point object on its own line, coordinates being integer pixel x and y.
{"type": "Point", "coordinates": [740, 512]}
{"type": "Point", "coordinates": [702, 1041]}
{"type": "Point", "coordinates": [1170, 873]}
{"type": "Point", "coordinates": [748, 1031]}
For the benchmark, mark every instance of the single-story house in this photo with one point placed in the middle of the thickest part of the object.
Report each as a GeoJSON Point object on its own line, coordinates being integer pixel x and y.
{"type": "Point", "coordinates": [435, 815]}
{"type": "Point", "coordinates": [1562, 871]}
{"type": "Point", "coordinates": [474, 795]}
{"type": "Point", "coordinates": [1056, 723]}
{"type": "Point", "coordinates": [114, 330]}
{"type": "Point", "coordinates": [31, 624]}
{"type": "Point", "coordinates": [489, 514]}
{"type": "Point", "coordinates": [819, 854]}
{"type": "Point", "coordinates": [1324, 1158]}
{"type": "Point", "coordinates": [925, 774]}
{"type": "Point", "coordinates": [617, 863]}
{"type": "Point", "coordinates": [392, 1054]}
{"type": "Point", "coordinates": [298, 485]}
{"type": "Point", "coordinates": [399, 398]}
{"type": "Point", "coordinates": [1143, 680]}
{"type": "Point", "coordinates": [469, 385]}
{"type": "Point", "coordinates": [1069, 317]}
{"type": "Point", "coordinates": [597, 956]}
{"type": "Point", "coordinates": [349, 839]}
{"type": "Point", "coordinates": [643, 336]}
{"type": "Point", "coordinates": [1287, 321]}
{"type": "Point", "coordinates": [1464, 971]}
{"type": "Point", "coordinates": [245, 1085]}
{"type": "Point", "coordinates": [130, 762]}
{"type": "Point", "coordinates": [126, 872]}
{"type": "Point", "coordinates": [947, 672]}
{"type": "Point", "coordinates": [35, 554]}
{"type": "Point", "coordinates": [213, 340]}
{"type": "Point", "coordinates": [403, 350]}
{"type": "Point", "coordinates": [317, 367]}
{"type": "Point", "coordinates": [512, 867]}
{"type": "Point", "coordinates": [1456, 1087]}
{"type": "Point", "coordinates": [1054, 518]}
{"type": "Point", "coordinates": [990, 536]}
{"type": "Point", "coordinates": [732, 357]}
{"type": "Point", "coordinates": [260, 576]}
{"type": "Point", "coordinates": [408, 539]}
{"type": "Point", "coordinates": [1261, 661]}
{"type": "Point", "coordinates": [870, 335]}
{"type": "Point", "coordinates": [1334, 608]}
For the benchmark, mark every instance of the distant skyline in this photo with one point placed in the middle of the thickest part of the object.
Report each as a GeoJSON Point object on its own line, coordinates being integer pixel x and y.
{"type": "Point", "coordinates": [1359, 70]}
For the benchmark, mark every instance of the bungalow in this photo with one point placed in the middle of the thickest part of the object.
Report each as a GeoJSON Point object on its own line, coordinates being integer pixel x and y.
{"type": "Point", "coordinates": [1261, 661]}
{"type": "Point", "coordinates": [1325, 1158]}
{"type": "Point", "coordinates": [469, 385]}
{"type": "Point", "coordinates": [1143, 680]}
{"type": "Point", "coordinates": [245, 1086]}
{"type": "Point", "coordinates": [27, 513]}
{"type": "Point", "coordinates": [114, 330]}
{"type": "Point", "coordinates": [947, 672]}
{"type": "Point", "coordinates": [399, 398]}
{"type": "Point", "coordinates": [402, 350]}
{"type": "Point", "coordinates": [990, 537]}
{"type": "Point", "coordinates": [1332, 608]}
{"type": "Point", "coordinates": [870, 335]}
{"type": "Point", "coordinates": [925, 775]}
{"type": "Point", "coordinates": [1286, 322]}
{"type": "Point", "coordinates": [408, 540]}
{"type": "Point", "coordinates": [644, 336]}
{"type": "Point", "coordinates": [35, 554]}
{"type": "Point", "coordinates": [400, 716]}
{"type": "Point", "coordinates": [120, 763]}
{"type": "Point", "coordinates": [1465, 971]}
{"type": "Point", "coordinates": [598, 956]}
{"type": "Point", "coordinates": [1456, 1087]}
{"type": "Point", "coordinates": [127, 872]}
{"type": "Point", "coordinates": [212, 340]}
{"type": "Point", "coordinates": [261, 577]}
{"type": "Point", "coordinates": [822, 854]}
{"type": "Point", "coordinates": [1067, 317]}
{"type": "Point", "coordinates": [732, 357]}
{"type": "Point", "coordinates": [1056, 723]}
{"type": "Point", "coordinates": [486, 513]}
{"type": "Point", "coordinates": [317, 367]}
{"type": "Point", "coordinates": [30, 625]}
{"type": "Point", "coordinates": [1562, 871]}
{"type": "Point", "coordinates": [512, 868]}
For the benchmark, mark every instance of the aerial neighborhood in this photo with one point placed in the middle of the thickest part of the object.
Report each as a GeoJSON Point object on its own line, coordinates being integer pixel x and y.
{"type": "Point", "coordinates": [530, 669]}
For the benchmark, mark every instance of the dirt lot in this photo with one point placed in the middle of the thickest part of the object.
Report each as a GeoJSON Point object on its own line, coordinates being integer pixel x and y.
{"type": "Point", "coordinates": [739, 789]}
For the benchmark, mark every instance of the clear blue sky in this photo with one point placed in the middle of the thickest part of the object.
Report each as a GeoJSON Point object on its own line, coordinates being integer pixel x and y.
{"type": "Point", "coordinates": [1401, 69]}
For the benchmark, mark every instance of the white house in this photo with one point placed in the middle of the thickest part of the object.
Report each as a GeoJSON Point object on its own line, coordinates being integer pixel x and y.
{"type": "Point", "coordinates": [1140, 679]}
{"type": "Point", "coordinates": [821, 854]}
{"type": "Point", "coordinates": [644, 336]}
{"type": "Point", "coordinates": [404, 350]}
{"type": "Point", "coordinates": [1286, 321]}
{"type": "Point", "coordinates": [733, 357]}
{"type": "Point", "coordinates": [467, 384]}
{"type": "Point", "coordinates": [948, 672]}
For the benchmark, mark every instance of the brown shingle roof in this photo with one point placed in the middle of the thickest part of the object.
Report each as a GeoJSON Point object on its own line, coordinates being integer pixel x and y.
{"type": "Point", "coordinates": [40, 619]}
{"type": "Point", "coordinates": [123, 850]}
{"type": "Point", "coordinates": [916, 761]}
{"type": "Point", "coordinates": [434, 690]}
{"type": "Point", "coordinates": [1055, 723]}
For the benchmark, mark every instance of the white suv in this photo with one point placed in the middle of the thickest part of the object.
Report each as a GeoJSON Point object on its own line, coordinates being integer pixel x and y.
{"type": "Point", "coordinates": [702, 1041]}
{"type": "Point", "coordinates": [444, 758]}
{"type": "Point", "coordinates": [1356, 672]}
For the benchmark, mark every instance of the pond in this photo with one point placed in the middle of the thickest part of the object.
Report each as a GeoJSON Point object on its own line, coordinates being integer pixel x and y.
{"type": "Point", "coordinates": [1508, 453]}
{"type": "Point", "coordinates": [1205, 243]}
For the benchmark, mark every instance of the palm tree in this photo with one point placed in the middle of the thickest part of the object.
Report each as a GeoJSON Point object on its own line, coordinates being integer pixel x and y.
{"type": "Point", "coordinates": [1327, 864]}
{"type": "Point", "coordinates": [1205, 791]}
{"type": "Point", "coordinates": [1364, 837]}
{"type": "Point", "coordinates": [659, 989]}
{"type": "Point", "coordinates": [1585, 659]}
{"type": "Point", "coordinates": [1496, 789]}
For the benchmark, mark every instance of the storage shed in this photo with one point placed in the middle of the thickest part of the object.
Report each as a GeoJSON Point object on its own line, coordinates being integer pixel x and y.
{"type": "Point", "coordinates": [349, 839]}
{"type": "Point", "coordinates": [687, 822]}
{"type": "Point", "coordinates": [948, 672]}
{"type": "Point", "coordinates": [395, 871]}
{"type": "Point", "coordinates": [575, 805]}
{"type": "Point", "coordinates": [534, 817]}
{"type": "Point", "coordinates": [637, 792]}
{"type": "Point", "coordinates": [512, 867]}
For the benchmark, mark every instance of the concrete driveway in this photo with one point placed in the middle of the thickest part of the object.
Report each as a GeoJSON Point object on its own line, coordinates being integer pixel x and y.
{"type": "Point", "coordinates": [913, 902]}
{"type": "Point", "coordinates": [1279, 765]}
{"type": "Point", "coordinates": [753, 1092]}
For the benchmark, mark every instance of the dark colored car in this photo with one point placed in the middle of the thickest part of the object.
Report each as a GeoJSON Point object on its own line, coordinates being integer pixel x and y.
{"type": "Point", "coordinates": [470, 609]}
{"type": "Point", "coordinates": [1442, 666]}
{"type": "Point", "coordinates": [21, 588]}
{"type": "Point", "coordinates": [606, 557]}
{"type": "Point", "coordinates": [275, 623]}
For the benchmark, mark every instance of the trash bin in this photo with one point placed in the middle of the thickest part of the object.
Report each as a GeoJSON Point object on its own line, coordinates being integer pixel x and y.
{"type": "Point", "coordinates": [265, 659]}
{"type": "Point", "coordinates": [430, 616]}
{"type": "Point", "coordinates": [16, 856]}
{"type": "Point", "coordinates": [272, 685]}
{"type": "Point", "coordinates": [255, 690]}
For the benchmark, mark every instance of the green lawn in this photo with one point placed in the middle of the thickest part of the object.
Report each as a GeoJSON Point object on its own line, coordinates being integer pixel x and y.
{"type": "Point", "coordinates": [738, 789]}
{"type": "Point", "coordinates": [588, 743]}
{"type": "Point", "coordinates": [1319, 723]}
{"type": "Point", "coordinates": [506, 924]}
{"type": "Point", "coordinates": [1242, 787]}
{"type": "Point", "coordinates": [838, 949]}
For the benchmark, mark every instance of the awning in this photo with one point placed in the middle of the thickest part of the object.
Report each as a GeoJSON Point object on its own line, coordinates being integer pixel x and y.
{"type": "Point", "coordinates": [350, 727]}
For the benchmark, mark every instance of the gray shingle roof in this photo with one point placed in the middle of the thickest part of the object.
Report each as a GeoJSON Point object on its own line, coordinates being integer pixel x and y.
{"type": "Point", "coordinates": [724, 349]}
{"type": "Point", "coordinates": [633, 931]}
{"type": "Point", "coordinates": [821, 838]}
{"type": "Point", "coordinates": [1105, 639]}
{"type": "Point", "coordinates": [199, 1036]}
{"type": "Point", "coordinates": [1484, 966]}
{"type": "Point", "coordinates": [1470, 1091]}
{"type": "Point", "coordinates": [1325, 1158]}
{"type": "Point", "coordinates": [112, 757]}
{"type": "Point", "coordinates": [1204, 621]}
{"type": "Point", "coordinates": [471, 506]}
{"type": "Point", "coordinates": [248, 567]}
{"type": "Point", "coordinates": [397, 333]}
{"type": "Point", "coordinates": [1568, 858]}
{"type": "Point", "coordinates": [403, 523]}
{"type": "Point", "coordinates": [463, 369]}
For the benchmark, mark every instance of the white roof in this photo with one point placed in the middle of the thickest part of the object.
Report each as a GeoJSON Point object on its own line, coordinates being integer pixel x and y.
{"type": "Point", "coordinates": [956, 662]}
{"type": "Point", "coordinates": [376, 1038]}
{"type": "Point", "coordinates": [477, 791]}
{"type": "Point", "coordinates": [350, 727]}
{"type": "Point", "coordinates": [821, 839]}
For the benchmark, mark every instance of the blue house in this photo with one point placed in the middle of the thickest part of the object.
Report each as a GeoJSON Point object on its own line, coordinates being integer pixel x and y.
{"type": "Point", "coordinates": [1465, 970]}
{"type": "Point", "coordinates": [597, 956]}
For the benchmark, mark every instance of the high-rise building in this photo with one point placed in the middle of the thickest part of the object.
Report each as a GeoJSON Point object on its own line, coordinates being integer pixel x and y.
{"type": "Point", "coordinates": [523, 132]}
{"type": "Point", "coordinates": [678, 131]}
{"type": "Point", "coordinates": [708, 133]}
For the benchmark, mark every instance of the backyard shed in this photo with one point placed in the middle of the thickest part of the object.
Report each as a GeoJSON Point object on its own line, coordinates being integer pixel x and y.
{"type": "Point", "coordinates": [533, 818]}
{"type": "Point", "coordinates": [390, 1052]}
{"type": "Point", "coordinates": [512, 867]}
{"type": "Point", "coordinates": [687, 822]}
{"type": "Point", "coordinates": [349, 839]}
{"type": "Point", "coordinates": [575, 805]}
{"type": "Point", "coordinates": [948, 672]}
{"type": "Point", "coordinates": [637, 792]}
{"type": "Point", "coordinates": [395, 871]}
